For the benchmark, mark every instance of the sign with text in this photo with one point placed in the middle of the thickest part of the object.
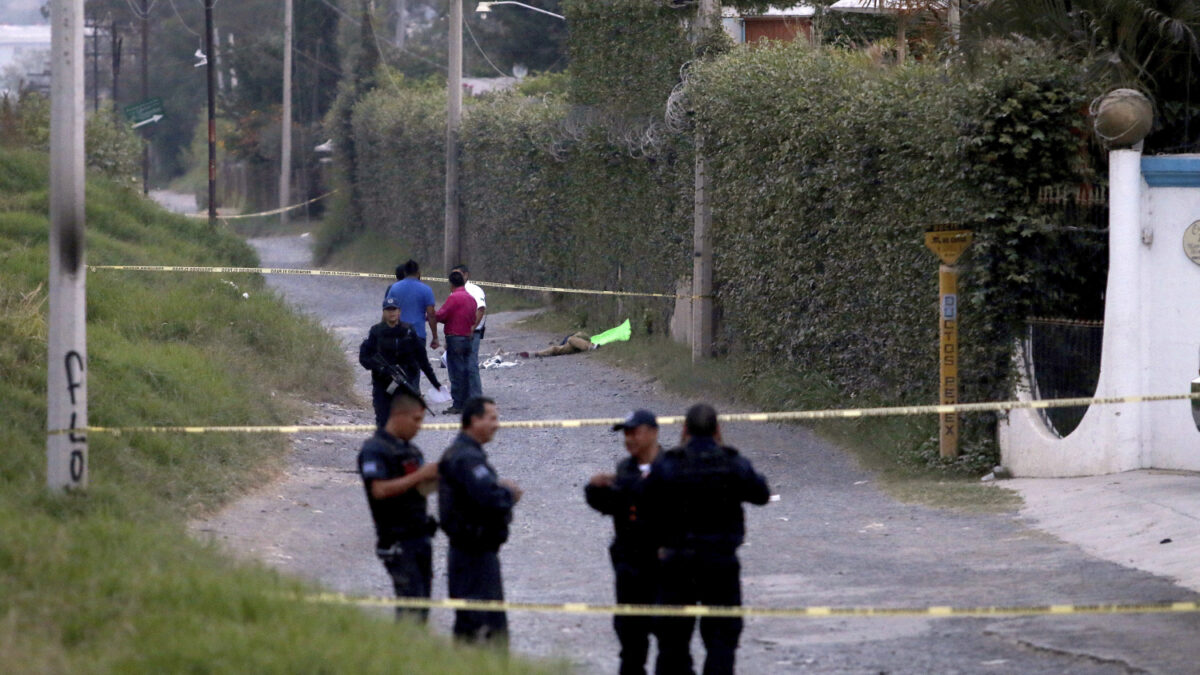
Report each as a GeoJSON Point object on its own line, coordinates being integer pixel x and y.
{"type": "Point", "coordinates": [948, 244]}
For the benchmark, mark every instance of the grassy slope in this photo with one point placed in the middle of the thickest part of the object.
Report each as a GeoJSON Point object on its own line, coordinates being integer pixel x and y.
{"type": "Point", "coordinates": [887, 446]}
{"type": "Point", "coordinates": [107, 580]}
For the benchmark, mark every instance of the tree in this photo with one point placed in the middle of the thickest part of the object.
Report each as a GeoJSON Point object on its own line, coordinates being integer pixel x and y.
{"type": "Point", "coordinates": [1152, 45]}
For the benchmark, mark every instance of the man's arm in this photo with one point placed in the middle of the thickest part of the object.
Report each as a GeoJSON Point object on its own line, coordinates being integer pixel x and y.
{"type": "Point", "coordinates": [366, 352]}
{"type": "Point", "coordinates": [392, 487]}
{"type": "Point", "coordinates": [602, 495]}
{"type": "Point", "coordinates": [754, 484]}
{"type": "Point", "coordinates": [481, 485]}
{"type": "Point", "coordinates": [431, 319]}
{"type": "Point", "coordinates": [479, 312]}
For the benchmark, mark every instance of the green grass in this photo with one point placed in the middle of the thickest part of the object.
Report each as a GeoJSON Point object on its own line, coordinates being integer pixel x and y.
{"type": "Point", "coordinates": [896, 449]}
{"type": "Point", "coordinates": [107, 580]}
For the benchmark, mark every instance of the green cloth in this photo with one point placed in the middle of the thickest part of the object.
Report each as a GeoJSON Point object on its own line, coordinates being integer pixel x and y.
{"type": "Point", "coordinates": [619, 334]}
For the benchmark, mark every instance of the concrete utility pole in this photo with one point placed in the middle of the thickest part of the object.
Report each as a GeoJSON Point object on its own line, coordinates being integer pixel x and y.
{"type": "Point", "coordinates": [453, 245]}
{"type": "Point", "coordinates": [212, 113]}
{"type": "Point", "coordinates": [709, 13]}
{"type": "Point", "coordinates": [146, 92]}
{"type": "Point", "coordinates": [401, 9]}
{"type": "Point", "coordinates": [66, 385]}
{"type": "Point", "coordinates": [285, 146]}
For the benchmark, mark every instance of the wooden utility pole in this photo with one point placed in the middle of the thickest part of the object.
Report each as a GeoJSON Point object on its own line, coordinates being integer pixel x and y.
{"type": "Point", "coordinates": [211, 69]}
{"type": "Point", "coordinates": [452, 254]}
{"type": "Point", "coordinates": [66, 385]}
{"type": "Point", "coordinates": [146, 92]}
{"type": "Point", "coordinates": [285, 146]}
{"type": "Point", "coordinates": [709, 13]}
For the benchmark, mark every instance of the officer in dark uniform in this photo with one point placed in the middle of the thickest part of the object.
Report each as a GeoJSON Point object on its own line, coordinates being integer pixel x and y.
{"type": "Point", "coordinates": [693, 497]}
{"type": "Point", "coordinates": [475, 507]}
{"type": "Point", "coordinates": [396, 480]}
{"type": "Point", "coordinates": [392, 348]}
{"type": "Point", "coordinates": [633, 552]}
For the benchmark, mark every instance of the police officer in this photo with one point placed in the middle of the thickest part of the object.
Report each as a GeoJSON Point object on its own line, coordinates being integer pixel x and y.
{"type": "Point", "coordinates": [396, 480]}
{"type": "Point", "coordinates": [693, 496]}
{"type": "Point", "coordinates": [393, 348]}
{"type": "Point", "coordinates": [634, 556]}
{"type": "Point", "coordinates": [475, 507]}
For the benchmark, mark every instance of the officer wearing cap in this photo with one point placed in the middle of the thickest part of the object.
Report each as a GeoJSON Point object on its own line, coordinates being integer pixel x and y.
{"type": "Point", "coordinates": [633, 553]}
{"type": "Point", "coordinates": [397, 479]}
{"type": "Point", "coordinates": [392, 348]}
{"type": "Point", "coordinates": [693, 497]}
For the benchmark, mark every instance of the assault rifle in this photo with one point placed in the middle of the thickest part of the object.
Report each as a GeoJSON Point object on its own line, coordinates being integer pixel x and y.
{"type": "Point", "coordinates": [399, 381]}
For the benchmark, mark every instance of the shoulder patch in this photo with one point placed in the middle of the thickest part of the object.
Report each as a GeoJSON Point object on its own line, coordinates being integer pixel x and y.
{"type": "Point", "coordinates": [481, 472]}
{"type": "Point", "coordinates": [370, 466]}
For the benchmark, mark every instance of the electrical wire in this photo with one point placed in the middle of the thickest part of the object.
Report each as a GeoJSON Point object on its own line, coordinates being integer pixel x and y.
{"type": "Point", "coordinates": [481, 52]}
{"type": "Point", "coordinates": [180, 17]}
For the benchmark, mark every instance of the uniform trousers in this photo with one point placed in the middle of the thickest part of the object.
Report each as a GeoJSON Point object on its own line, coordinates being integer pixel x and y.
{"type": "Point", "coordinates": [410, 564]}
{"type": "Point", "coordinates": [636, 585]}
{"type": "Point", "coordinates": [690, 577]}
{"type": "Point", "coordinates": [475, 575]}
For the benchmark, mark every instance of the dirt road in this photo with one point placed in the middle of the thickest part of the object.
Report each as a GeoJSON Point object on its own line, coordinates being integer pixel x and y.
{"type": "Point", "coordinates": [831, 539]}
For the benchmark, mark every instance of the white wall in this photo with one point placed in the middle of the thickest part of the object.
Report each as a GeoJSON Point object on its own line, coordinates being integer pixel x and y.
{"type": "Point", "coordinates": [1151, 336]}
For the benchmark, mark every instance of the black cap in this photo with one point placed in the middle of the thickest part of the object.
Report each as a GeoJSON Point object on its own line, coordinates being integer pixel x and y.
{"type": "Point", "coordinates": [636, 419]}
{"type": "Point", "coordinates": [390, 303]}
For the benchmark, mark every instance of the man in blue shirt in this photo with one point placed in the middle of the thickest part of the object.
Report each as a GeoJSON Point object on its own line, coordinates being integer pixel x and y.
{"type": "Point", "coordinates": [416, 301]}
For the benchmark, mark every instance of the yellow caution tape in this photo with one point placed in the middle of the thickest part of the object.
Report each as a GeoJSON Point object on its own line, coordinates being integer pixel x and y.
{"type": "Point", "coordinates": [792, 416]}
{"type": "Point", "coordinates": [263, 213]}
{"type": "Point", "coordinates": [368, 275]}
{"type": "Point", "coordinates": [774, 612]}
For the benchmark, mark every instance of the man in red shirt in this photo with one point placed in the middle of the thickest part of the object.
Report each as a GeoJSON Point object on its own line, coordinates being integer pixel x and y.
{"type": "Point", "coordinates": [458, 316]}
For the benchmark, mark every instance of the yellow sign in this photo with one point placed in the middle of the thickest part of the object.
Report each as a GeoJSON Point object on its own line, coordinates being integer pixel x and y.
{"type": "Point", "coordinates": [948, 244]}
{"type": "Point", "coordinates": [1191, 242]}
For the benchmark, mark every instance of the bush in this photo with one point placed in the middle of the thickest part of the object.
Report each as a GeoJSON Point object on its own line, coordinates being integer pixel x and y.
{"type": "Point", "coordinates": [826, 171]}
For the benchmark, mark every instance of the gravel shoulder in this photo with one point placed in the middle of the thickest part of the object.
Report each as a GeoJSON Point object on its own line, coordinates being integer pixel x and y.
{"type": "Point", "coordinates": [833, 538]}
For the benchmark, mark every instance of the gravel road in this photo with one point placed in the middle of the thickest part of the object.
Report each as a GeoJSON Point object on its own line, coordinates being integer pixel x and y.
{"type": "Point", "coordinates": [833, 538]}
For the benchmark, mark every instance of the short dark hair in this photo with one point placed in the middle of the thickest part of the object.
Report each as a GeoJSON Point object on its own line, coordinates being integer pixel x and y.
{"type": "Point", "coordinates": [411, 268]}
{"type": "Point", "coordinates": [474, 407]}
{"type": "Point", "coordinates": [456, 279]}
{"type": "Point", "coordinates": [701, 421]}
{"type": "Point", "coordinates": [461, 268]}
{"type": "Point", "coordinates": [405, 399]}
{"type": "Point", "coordinates": [399, 272]}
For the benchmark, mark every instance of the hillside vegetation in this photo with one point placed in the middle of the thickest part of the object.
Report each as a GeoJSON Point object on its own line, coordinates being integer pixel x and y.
{"type": "Point", "coordinates": [107, 580]}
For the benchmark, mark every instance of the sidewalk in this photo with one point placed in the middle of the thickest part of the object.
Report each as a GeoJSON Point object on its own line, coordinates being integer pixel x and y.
{"type": "Point", "coordinates": [1148, 520]}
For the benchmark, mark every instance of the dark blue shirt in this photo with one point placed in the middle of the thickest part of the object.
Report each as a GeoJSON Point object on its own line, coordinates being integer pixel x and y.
{"type": "Point", "coordinates": [474, 508]}
{"type": "Point", "coordinates": [403, 516]}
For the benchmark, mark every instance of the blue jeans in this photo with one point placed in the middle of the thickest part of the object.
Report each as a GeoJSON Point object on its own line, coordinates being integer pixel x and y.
{"type": "Point", "coordinates": [473, 365]}
{"type": "Point", "coordinates": [458, 357]}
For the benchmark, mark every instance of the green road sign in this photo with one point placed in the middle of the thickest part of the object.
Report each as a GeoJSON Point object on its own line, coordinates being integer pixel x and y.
{"type": "Point", "coordinates": [145, 112]}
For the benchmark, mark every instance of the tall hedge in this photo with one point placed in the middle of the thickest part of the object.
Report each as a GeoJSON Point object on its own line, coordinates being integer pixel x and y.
{"type": "Point", "coordinates": [826, 170]}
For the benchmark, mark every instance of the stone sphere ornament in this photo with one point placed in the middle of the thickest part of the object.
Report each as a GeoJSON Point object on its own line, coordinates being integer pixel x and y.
{"type": "Point", "coordinates": [1122, 117]}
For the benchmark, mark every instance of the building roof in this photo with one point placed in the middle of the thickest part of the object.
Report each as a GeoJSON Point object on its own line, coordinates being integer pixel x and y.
{"type": "Point", "coordinates": [25, 35]}
{"type": "Point", "coordinates": [791, 12]}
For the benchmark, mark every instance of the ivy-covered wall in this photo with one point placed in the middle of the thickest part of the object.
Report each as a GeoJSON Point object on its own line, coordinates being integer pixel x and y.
{"type": "Point", "coordinates": [826, 170]}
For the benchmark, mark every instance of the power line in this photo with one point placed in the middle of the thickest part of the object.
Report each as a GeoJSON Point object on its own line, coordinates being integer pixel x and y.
{"type": "Point", "coordinates": [481, 52]}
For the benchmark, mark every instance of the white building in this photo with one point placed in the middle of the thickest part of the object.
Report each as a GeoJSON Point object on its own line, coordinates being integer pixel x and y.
{"type": "Point", "coordinates": [21, 46]}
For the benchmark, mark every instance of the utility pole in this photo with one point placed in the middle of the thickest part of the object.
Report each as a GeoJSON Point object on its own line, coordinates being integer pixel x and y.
{"type": "Point", "coordinates": [146, 92]}
{"type": "Point", "coordinates": [285, 151]}
{"type": "Point", "coordinates": [401, 9]}
{"type": "Point", "coordinates": [702, 263]}
{"type": "Point", "coordinates": [66, 369]}
{"type": "Point", "coordinates": [116, 70]}
{"type": "Point", "coordinates": [453, 244]}
{"type": "Point", "coordinates": [212, 113]}
{"type": "Point", "coordinates": [95, 26]}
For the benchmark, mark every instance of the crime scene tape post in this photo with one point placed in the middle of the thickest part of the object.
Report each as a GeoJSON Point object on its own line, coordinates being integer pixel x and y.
{"type": "Point", "coordinates": [939, 611]}
{"type": "Point", "coordinates": [787, 416]}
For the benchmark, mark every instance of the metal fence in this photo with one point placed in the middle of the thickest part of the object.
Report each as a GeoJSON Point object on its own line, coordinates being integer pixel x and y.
{"type": "Point", "coordinates": [1062, 360]}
